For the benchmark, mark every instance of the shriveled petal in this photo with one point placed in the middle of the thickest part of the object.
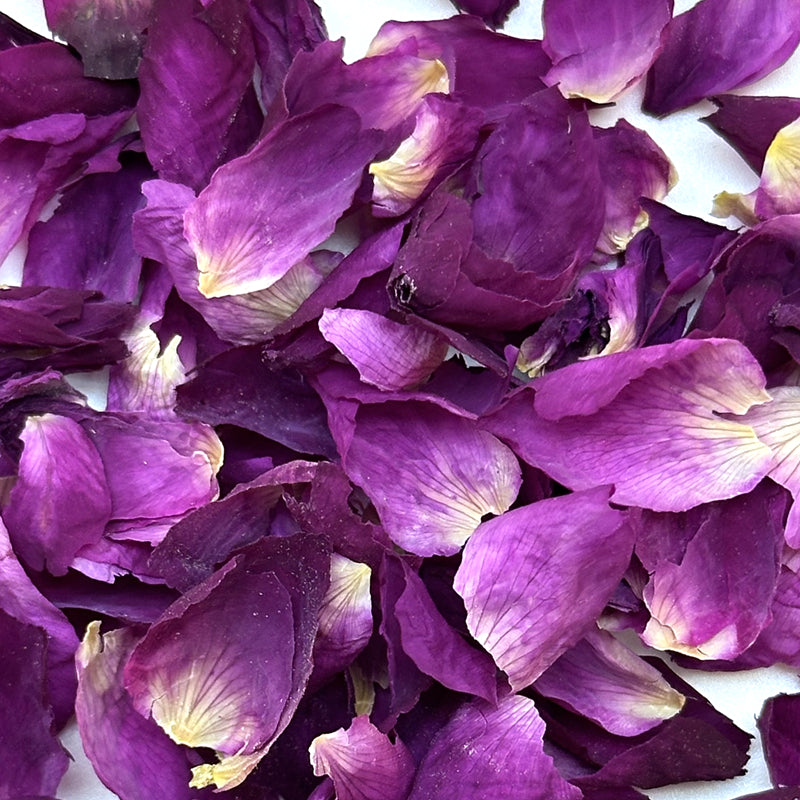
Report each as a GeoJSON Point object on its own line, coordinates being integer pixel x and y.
{"type": "Point", "coordinates": [386, 354]}
{"type": "Point", "coordinates": [108, 35]}
{"type": "Point", "coordinates": [779, 723]}
{"type": "Point", "coordinates": [61, 501]}
{"type": "Point", "coordinates": [484, 751]}
{"type": "Point", "coordinates": [521, 572]}
{"type": "Point", "coordinates": [117, 739]}
{"type": "Point", "coordinates": [602, 679]}
{"type": "Point", "coordinates": [453, 473]}
{"type": "Point", "coordinates": [719, 45]}
{"type": "Point", "coordinates": [600, 49]}
{"type": "Point", "coordinates": [265, 211]}
{"type": "Point", "coordinates": [662, 423]}
{"type": "Point", "coordinates": [363, 762]}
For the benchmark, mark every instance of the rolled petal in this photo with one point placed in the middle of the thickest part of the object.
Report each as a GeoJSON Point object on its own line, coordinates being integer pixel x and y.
{"type": "Point", "coordinates": [719, 45]}
{"type": "Point", "coordinates": [776, 424]}
{"type": "Point", "coordinates": [264, 212]}
{"type": "Point", "coordinates": [604, 681]}
{"type": "Point", "coordinates": [61, 501]}
{"type": "Point", "coordinates": [363, 762]}
{"type": "Point", "coordinates": [521, 572]}
{"type": "Point", "coordinates": [345, 617]}
{"type": "Point", "coordinates": [599, 50]}
{"type": "Point", "coordinates": [453, 473]}
{"type": "Point", "coordinates": [33, 759]}
{"type": "Point", "coordinates": [621, 420]}
{"type": "Point", "coordinates": [198, 108]}
{"type": "Point", "coordinates": [485, 751]}
{"type": "Point", "coordinates": [108, 35]}
{"type": "Point", "coordinates": [444, 135]}
{"type": "Point", "coordinates": [715, 602]}
{"type": "Point", "coordinates": [117, 739]}
{"type": "Point", "coordinates": [779, 189]}
{"type": "Point", "coordinates": [387, 354]}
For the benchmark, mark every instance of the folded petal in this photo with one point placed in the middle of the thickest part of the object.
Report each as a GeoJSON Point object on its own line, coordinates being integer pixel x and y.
{"type": "Point", "coordinates": [363, 762]}
{"type": "Point", "coordinates": [492, 12]}
{"type": "Point", "coordinates": [265, 211]}
{"type": "Point", "coordinates": [719, 45]}
{"type": "Point", "coordinates": [61, 500]}
{"type": "Point", "coordinates": [598, 51]}
{"type": "Point", "coordinates": [622, 420]}
{"type": "Point", "coordinates": [779, 189]}
{"type": "Point", "coordinates": [116, 738]}
{"type": "Point", "coordinates": [386, 354]}
{"type": "Point", "coordinates": [779, 723]}
{"type": "Point", "coordinates": [604, 681]}
{"type": "Point", "coordinates": [485, 751]}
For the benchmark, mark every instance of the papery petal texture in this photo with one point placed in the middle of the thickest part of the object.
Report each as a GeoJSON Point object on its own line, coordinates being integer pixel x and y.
{"type": "Point", "coordinates": [363, 762]}
{"type": "Point", "coordinates": [387, 354]}
{"type": "Point", "coordinates": [521, 572]}
{"type": "Point", "coordinates": [117, 739]}
{"type": "Point", "coordinates": [779, 189]}
{"type": "Point", "coordinates": [662, 423]}
{"type": "Point", "coordinates": [779, 723]}
{"type": "Point", "coordinates": [599, 50]}
{"type": "Point", "coordinates": [453, 473]}
{"type": "Point", "coordinates": [61, 501]}
{"type": "Point", "coordinates": [485, 751]}
{"type": "Point", "coordinates": [719, 45]}
{"type": "Point", "coordinates": [603, 680]}
{"type": "Point", "coordinates": [300, 178]}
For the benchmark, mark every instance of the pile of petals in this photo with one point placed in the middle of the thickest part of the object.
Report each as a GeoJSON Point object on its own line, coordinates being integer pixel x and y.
{"type": "Point", "coordinates": [422, 406]}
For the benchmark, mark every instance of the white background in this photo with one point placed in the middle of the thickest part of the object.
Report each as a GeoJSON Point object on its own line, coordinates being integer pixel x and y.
{"type": "Point", "coordinates": [705, 164]}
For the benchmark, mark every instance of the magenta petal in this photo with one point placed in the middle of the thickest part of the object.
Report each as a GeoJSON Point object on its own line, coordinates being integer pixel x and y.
{"type": "Point", "coordinates": [719, 45]}
{"type": "Point", "coordinates": [779, 723]}
{"type": "Point", "coordinates": [600, 49]}
{"type": "Point", "coordinates": [484, 751]}
{"type": "Point", "coordinates": [521, 572]}
{"type": "Point", "coordinates": [116, 738]}
{"type": "Point", "coordinates": [265, 211]}
{"type": "Point", "coordinates": [363, 762]}
{"type": "Point", "coordinates": [621, 420]}
{"type": "Point", "coordinates": [61, 501]}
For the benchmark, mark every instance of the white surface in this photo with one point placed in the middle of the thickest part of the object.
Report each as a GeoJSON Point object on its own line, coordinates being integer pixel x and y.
{"type": "Point", "coordinates": [706, 165]}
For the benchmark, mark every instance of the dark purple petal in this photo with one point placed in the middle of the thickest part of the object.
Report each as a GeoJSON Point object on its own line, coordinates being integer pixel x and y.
{"type": "Point", "coordinates": [198, 108]}
{"type": "Point", "coordinates": [521, 572]}
{"type": "Point", "coordinates": [486, 751]}
{"type": "Point", "coordinates": [280, 31]}
{"type": "Point", "coordinates": [46, 78]}
{"type": "Point", "coordinates": [265, 211]}
{"type": "Point", "coordinates": [87, 243]}
{"type": "Point", "coordinates": [33, 759]}
{"type": "Point", "coordinates": [779, 724]}
{"type": "Point", "coordinates": [363, 762]}
{"type": "Point", "coordinates": [750, 123]}
{"type": "Point", "coordinates": [599, 50]}
{"type": "Point", "coordinates": [588, 423]}
{"type": "Point", "coordinates": [106, 34]}
{"type": "Point", "coordinates": [117, 739]}
{"type": "Point", "coordinates": [492, 12]}
{"type": "Point", "coordinates": [20, 599]}
{"type": "Point", "coordinates": [437, 649]}
{"type": "Point", "coordinates": [603, 680]}
{"type": "Point", "coordinates": [719, 45]}
{"type": "Point", "coordinates": [61, 501]}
